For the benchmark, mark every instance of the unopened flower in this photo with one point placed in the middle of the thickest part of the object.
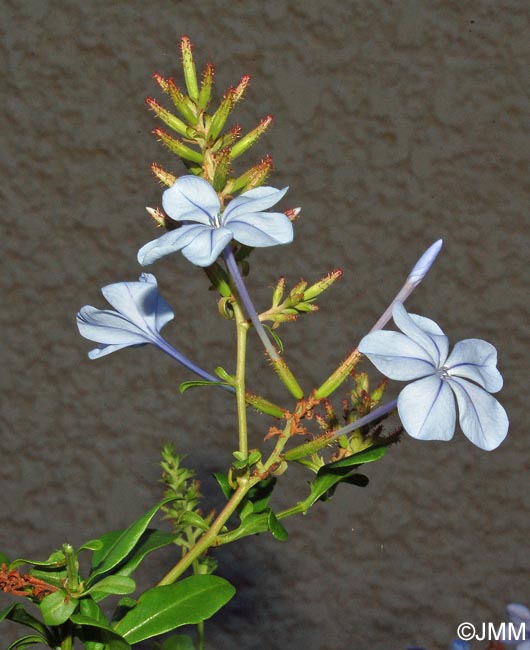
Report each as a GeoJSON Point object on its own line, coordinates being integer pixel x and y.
{"type": "Point", "coordinates": [427, 405]}
{"type": "Point", "coordinates": [140, 313]}
{"type": "Point", "coordinates": [207, 230]}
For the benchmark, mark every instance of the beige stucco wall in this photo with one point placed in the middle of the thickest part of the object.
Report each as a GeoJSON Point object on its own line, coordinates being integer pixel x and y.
{"type": "Point", "coordinates": [396, 123]}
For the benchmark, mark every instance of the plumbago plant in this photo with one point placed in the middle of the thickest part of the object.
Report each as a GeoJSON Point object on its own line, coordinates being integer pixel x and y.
{"type": "Point", "coordinates": [216, 218]}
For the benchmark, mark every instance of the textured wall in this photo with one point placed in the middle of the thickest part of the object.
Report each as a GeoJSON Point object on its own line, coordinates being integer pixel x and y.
{"type": "Point", "coordinates": [397, 123]}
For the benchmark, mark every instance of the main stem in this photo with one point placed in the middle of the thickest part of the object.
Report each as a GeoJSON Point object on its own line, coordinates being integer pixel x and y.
{"type": "Point", "coordinates": [242, 329]}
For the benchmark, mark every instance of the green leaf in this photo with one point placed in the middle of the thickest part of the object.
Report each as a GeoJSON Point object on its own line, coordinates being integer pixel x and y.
{"type": "Point", "coordinates": [91, 545]}
{"type": "Point", "coordinates": [54, 578]}
{"type": "Point", "coordinates": [107, 541]}
{"type": "Point", "coordinates": [225, 486]}
{"type": "Point", "coordinates": [26, 641]}
{"type": "Point", "coordinates": [178, 642]}
{"type": "Point", "coordinates": [89, 608]}
{"type": "Point", "coordinates": [56, 608]}
{"type": "Point", "coordinates": [275, 336]}
{"type": "Point", "coordinates": [113, 584]}
{"type": "Point", "coordinates": [97, 634]}
{"type": "Point", "coordinates": [56, 559]}
{"type": "Point", "coordinates": [190, 518]}
{"type": "Point", "coordinates": [194, 383]}
{"type": "Point", "coordinates": [125, 542]}
{"type": "Point", "coordinates": [260, 493]}
{"type": "Point", "coordinates": [150, 541]}
{"type": "Point", "coordinates": [3, 559]}
{"type": "Point", "coordinates": [367, 456]}
{"type": "Point", "coordinates": [276, 528]}
{"type": "Point", "coordinates": [165, 608]}
{"type": "Point", "coordinates": [18, 614]}
{"type": "Point", "coordinates": [327, 480]}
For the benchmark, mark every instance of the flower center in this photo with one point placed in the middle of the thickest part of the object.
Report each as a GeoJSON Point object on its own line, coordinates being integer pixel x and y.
{"type": "Point", "coordinates": [216, 220]}
{"type": "Point", "coordinates": [443, 373]}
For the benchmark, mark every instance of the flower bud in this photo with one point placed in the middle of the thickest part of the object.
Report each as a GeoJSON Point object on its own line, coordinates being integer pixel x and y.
{"type": "Point", "coordinates": [206, 87]}
{"type": "Point", "coordinates": [278, 292]}
{"type": "Point", "coordinates": [189, 68]}
{"type": "Point", "coordinates": [250, 138]}
{"type": "Point", "coordinates": [181, 102]}
{"type": "Point", "coordinates": [165, 177]}
{"type": "Point", "coordinates": [168, 118]}
{"type": "Point", "coordinates": [323, 284]}
{"type": "Point", "coordinates": [222, 169]}
{"type": "Point", "coordinates": [178, 147]}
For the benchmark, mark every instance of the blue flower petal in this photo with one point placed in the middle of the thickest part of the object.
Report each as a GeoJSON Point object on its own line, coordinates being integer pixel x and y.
{"type": "Point", "coordinates": [482, 419]}
{"type": "Point", "coordinates": [108, 327]}
{"type": "Point", "coordinates": [422, 331]}
{"type": "Point", "coordinates": [206, 245]}
{"type": "Point", "coordinates": [256, 200]}
{"type": "Point", "coordinates": [137, 301]}
{"type": "Point", "coordinates": [170, 242]}
{"type": "Point", "coordinates": [427, 409]}
{"type": "Point", "coordinates": [519, 614]}
{"type": "Point", "coordinates": [396, 355]}
{"type": "Point", "coordinates": [476, 360]}
{"type": "Point", "coordinates": [261, 229]}
{"type": "Point", "coordinates": [191, 199]}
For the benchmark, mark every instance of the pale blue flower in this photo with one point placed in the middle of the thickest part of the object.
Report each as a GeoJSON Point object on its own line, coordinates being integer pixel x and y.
{"type": "Point", "coordinates": [206, 230]}
{"type": "Point", "coordinates": [427, 406]}
{"type": "Point", "coordinates": [519, 627]}
{"type": "Point", "coordinates": [140, 315]}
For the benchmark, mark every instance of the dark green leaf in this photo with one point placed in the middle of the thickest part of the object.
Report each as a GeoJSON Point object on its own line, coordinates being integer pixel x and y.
{"type": "Point", "coordinates": [107, 541]}
{"type": "Point", "coordinates": [26, 641]}
{"type": "Point", "coordinates": [190, 518]}
{"type": "Point", "coordinates": [56, 559]}
{"type": "Point", "coordinates": [163, 609]}
{"type": "Point", "coordinates": [225, 486]}
{"type": "Point", "coordinates": [4, 559]}
{"type": "Point", "coordinates": [260, 493]}
{"type": "Point", "coordinates": [150, 541]}
{"type": "Point", "coordinates": [367, 456]}
{"type": "Point", "coordinates": [91, 545]}
{"type": "Point", "coordinates": [246, 510]}
{"type": "Point", "coordinates": [126, 542]}
{"type": "Point", "coordinates": [276, 528]}
{"type": "Point", "coordinates": [51, 576]}
{"type": "Point", "coordinates": [113, 584]}
{"type": "Point", "coordinates": [18, 614]}
{"type": "Point", "coordinates": [56, 608]}
{"type": "Point", "coordinates": [97, 634]}
{"type": "Point", "coordinates": [88, 607]}
{"type": "Point", "coordinates": [194, 383]}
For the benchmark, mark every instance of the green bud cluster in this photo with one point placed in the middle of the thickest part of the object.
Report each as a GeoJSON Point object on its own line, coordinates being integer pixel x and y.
{"type": "Point", "coordinates": [300, 299]}
{"type": "Point", "coordinates": [201, 144]}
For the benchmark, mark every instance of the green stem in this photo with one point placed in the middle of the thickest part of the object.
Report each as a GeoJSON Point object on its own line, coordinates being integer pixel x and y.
{"type": "Point", "coordinates": [242, 329]}
{"type": "Point", "coordinates": [208, 538]}
{"type": "Point", "coordinates": [200, 635]}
